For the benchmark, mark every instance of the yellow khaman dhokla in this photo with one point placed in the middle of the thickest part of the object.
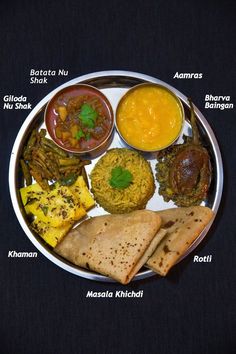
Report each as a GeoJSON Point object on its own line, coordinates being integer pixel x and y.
{"type": "Point", "coordinates": [81, 191]}
{"type": "Point", "coordinates": [52, 235]}
{"type": "Point", "coordinates": [56, 211]}
{"type": "Point", "coordinates": [58, 207]}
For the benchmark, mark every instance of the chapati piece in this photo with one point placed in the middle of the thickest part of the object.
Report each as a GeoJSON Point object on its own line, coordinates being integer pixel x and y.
{"type": "Point", "coordinates": [183, 226]}
{"type": "Point", "coordinates": [114, 245]}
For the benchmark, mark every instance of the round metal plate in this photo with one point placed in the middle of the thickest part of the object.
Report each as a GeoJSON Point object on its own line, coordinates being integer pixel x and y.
{"type": "Point", "coordinates": [113, 84]}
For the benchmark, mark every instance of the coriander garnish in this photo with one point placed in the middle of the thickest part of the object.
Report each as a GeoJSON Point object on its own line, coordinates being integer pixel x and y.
{"type": "Point", "coordinates": [120, 178]}
{"type": "Point", "coordinates": [88, 115]}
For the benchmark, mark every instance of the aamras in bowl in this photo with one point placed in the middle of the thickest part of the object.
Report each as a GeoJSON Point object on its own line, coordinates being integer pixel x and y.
{"type": "Point", "coordinates": [149, 117]}
{"type": "Point", "coordinates": [79, 119]}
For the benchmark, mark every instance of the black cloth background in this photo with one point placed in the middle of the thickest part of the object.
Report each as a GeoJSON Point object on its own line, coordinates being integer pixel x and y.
{"type": "Point", "coordinates": [43, 308]}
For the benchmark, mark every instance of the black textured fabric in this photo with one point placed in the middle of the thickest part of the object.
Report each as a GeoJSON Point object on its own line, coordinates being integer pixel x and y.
{"type": "Point", "coordinates": [43, 309]}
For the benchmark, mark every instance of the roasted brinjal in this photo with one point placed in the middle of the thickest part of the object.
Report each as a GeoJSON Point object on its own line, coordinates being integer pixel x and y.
{"type": "Point", "coordinates": [184, 170]}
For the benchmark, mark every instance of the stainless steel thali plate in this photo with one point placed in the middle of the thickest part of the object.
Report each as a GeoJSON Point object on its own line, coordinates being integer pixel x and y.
{"type": "Point", "coordinates": [113, 84]}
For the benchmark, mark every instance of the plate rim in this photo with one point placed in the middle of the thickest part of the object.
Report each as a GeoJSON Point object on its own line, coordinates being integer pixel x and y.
{"type": "Point", "coordinates": [14, 156]}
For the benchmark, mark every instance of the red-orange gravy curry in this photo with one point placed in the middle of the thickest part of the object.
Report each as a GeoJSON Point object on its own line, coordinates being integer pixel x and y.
{"type": "Point", "coordinates": [79, 118]}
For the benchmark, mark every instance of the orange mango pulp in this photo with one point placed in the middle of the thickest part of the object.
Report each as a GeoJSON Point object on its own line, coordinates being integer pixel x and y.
{"type": "Point", "coordinates": [149, 118]}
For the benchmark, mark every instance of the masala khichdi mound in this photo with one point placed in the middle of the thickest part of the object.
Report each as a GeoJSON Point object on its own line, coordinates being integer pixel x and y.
{"type": "Point", "coordinates": [122, 181]}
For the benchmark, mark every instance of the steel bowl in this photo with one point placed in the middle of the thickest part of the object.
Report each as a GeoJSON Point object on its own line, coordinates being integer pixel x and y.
{"type": "Point", "coordinates": [50, 121]}
{"type": "Point", "coordinates": [135, 88]}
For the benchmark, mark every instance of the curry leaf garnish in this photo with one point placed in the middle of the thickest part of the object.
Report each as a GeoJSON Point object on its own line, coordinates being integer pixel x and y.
{"type": "Point", "coordinates": [88, 115]}
{"type": "Point", "coordinates": [44, 209]}
{"type": "Point", "coordinates": [68, 180]}
{"type": "Point", "coordinates": [120, 178]}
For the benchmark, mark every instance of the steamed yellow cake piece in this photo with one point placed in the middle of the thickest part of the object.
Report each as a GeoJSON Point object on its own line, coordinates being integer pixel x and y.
{"type": "Point", "coordinates": [58, 207]}
{"type": "Point", "coordinates": [80, 190]}
{"type": "Point", "coordinates": [52, 235]}
{"type": "Point", "coordinates": [56, 211]}
{"type": "Point", "coordinates": [30, 193]}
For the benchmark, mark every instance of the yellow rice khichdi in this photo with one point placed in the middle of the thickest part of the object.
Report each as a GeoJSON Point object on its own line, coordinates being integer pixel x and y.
{"type": "Point", "coordinates": [122, 181]}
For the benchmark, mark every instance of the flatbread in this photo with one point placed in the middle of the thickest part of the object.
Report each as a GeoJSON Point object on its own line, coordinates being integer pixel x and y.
{"type": "Point", "coordinates": [114, 245]}
{"type": "Point", "coordinates": [183, 226]}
